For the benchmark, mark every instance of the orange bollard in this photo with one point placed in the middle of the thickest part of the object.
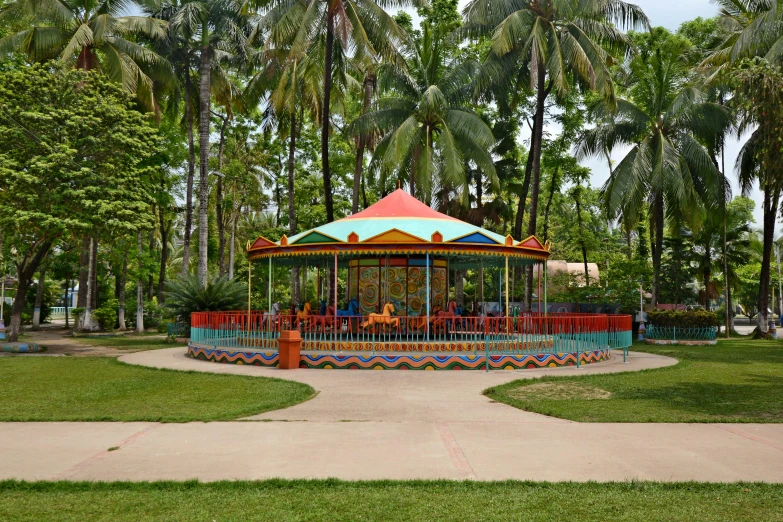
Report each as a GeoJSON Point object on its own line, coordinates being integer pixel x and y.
{"type": "Point", "coordinates": [289, 345]}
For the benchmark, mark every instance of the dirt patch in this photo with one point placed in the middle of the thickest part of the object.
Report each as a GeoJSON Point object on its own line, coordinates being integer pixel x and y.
{"type": "Point", "coordinates": [560, 391]}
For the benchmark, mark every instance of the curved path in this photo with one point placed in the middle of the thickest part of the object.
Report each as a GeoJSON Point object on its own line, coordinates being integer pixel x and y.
{"type": "Point", "coordinates": [395, 425]}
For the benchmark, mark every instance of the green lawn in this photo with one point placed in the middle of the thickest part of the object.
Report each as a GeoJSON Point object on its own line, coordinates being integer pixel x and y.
{"type": "Point", "coordinates": [332, 500]}
{"type": "Point", "coordinates": [103, 389]}
{"type": "Point", "coordinates": [130, 342]}
{"type": "Point", "coordinates": [734, 381]}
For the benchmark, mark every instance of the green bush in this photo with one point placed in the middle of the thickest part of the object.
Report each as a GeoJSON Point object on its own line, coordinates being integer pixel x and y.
{"type": "Point", "coordinates": [185, 295]}
{"type": "Point", "coordinates": [76, 313]}
{"type": "Point", "coordinates": [106, 317]}
{"type": "Point", "coordinates": [683, 319]}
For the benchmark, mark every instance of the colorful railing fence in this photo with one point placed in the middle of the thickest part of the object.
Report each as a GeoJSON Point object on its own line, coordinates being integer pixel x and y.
{"type": "Point", "coordinates": [526, 334]}
{"type": "Point", "coordinates": [675, 333]}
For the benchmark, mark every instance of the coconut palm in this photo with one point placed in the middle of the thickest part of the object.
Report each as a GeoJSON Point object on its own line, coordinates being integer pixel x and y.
{"type": "Point", "coordinates": [667, 168]}
{"type": "Point", "coordinates": [359, 25]}
{"type": "Point", "coordinates": [90, 35]}
{"type": "Point", "coordinates": [221, 28]}
{"type": "Point", "coordinates": [427, 129]}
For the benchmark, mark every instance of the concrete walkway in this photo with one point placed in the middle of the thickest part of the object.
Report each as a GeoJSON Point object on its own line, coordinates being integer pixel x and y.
{"type": "Point", "coordinates": [397, 425]}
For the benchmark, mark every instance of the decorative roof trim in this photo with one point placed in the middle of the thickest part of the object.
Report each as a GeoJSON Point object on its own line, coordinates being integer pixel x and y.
{"type": "Point", "coordinates": [474, 233]}
{"type": "Point", "coordinates": [378, 238]}
{"type": "Point", "coordinates": [312, 232]}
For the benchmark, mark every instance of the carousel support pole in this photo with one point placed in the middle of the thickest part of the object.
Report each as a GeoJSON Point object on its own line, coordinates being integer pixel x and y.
{"type": "Point", "coordinates": [269, 289]}
{"type": "Point", "coordinates": [427, 268]}
{"type": "Point", "coordinates": [334, 324]}
{"type": "Point", "coordinates": [539, 289]}
{"type": "Point", "coordinates": [507, 314]}
{"type": "Point", "coordinates": [249, 292]}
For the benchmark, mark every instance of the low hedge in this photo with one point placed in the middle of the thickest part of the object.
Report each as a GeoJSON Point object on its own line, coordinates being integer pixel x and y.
{"type": "Point", "coordinates": [683, 319]}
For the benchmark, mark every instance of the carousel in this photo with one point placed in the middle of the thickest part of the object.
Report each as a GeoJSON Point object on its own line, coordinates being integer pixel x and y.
{"type": "Point", "coordinates": [398, 262]}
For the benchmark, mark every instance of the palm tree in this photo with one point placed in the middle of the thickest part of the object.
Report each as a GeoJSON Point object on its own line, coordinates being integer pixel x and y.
{"type": "Point", "coordinates": [666, 168]}
{"type": "Point", "coordinates": [221, 29]}
{"type": "Point", "coordinates": [550, 45]}
{"type": "Point", "coordinates": [427, 128]}
{"type": "Point", "coordinates": [90, 35]}
{"type": "Point", "coordinates": [359, 25]}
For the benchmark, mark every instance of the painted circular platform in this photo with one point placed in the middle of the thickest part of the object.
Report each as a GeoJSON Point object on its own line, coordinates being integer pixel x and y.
{"type": "Point", "coordinates": [20, 347]}
{"type": "Point", "coordinates": [398, 361]}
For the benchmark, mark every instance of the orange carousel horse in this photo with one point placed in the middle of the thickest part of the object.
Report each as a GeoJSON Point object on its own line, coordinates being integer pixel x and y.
{"type": "Point", "coordinates": [386, 318]}
{"type": "Point", "coordinates": [304, 314]}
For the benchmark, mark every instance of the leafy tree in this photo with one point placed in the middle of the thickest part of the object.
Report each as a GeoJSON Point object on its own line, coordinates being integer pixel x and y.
{"type": "Point", "coordinates": [76, 134]}
{"type": "Point", "coordinates": [186, 295]}
{"type": "Point", "coordinates": [667, 168]}
{"type": "Point", "coordinates": [550, 46]}
{"type": "Point", "coordinates": [361, 27]}
{"type": "Point", "coordinates": [428, 130]}
{"type": "Point", "coordinates": [90, 35]}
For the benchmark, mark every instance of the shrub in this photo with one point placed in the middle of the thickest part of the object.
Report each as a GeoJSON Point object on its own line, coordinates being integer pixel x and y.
{"type": "Point", "coordinates": [185, 295]}
{"type": "Point", "coordinates": [683, 319]}
{"type": "Point", "coordinates": [76, 313]}
{"type": "Point", "coordinates": [106, 317]}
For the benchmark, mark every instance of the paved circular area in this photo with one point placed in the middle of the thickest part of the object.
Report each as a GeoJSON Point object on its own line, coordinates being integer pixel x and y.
{"type": "Point", "coordinates": [397, 396]}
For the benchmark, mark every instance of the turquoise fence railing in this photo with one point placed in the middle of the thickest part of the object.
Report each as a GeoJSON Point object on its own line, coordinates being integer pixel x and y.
{"type": "Point", "coordinates": [525, 334]}
{"type": "Point", "coordinates": [676, 333]}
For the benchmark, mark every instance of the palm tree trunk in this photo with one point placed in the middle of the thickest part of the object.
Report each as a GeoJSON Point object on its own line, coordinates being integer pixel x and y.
{"type": "Point", "coordinates": [39, 298]}
{"type": "Point", "coordinates": [204, 116]}
{"type": "Point", "coordinates": [326, 115]}
{"type": "Point", "coordinates": [191, 174]}
{"type": "Point", "coordinates": [549, 203]}
{"type": "Point", "coordinates": [291, 210]}
{"type": "Point", "coordinates": [520, 217]}
{"type": "Point", "coordinates": [771, 198]}
{"type": "Point", "coordinates": [657, 218]}
{"type": "Point", "coordinates": [369, 82]}
{"type": "Point", "coordinates": [542, 91]}
{"type": "Point", "coordinates": [707, 274]}
{"type": "Point", "coordinates": [93, 286]}
{"type": "Point", "coordinates": [219, 201]}
{"type": "Point", "coordinates": [582, 237]}
{"type": "Point", "coordinates": [164, 253]}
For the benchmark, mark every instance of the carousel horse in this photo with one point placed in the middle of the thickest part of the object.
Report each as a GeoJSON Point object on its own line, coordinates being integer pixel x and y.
{"type": "Point", "coordinates": [441, 320]}
{"type": "Point", "coordinates": [352, 310]}
{"type": "Point", "coordinates": [304, 314]}
{"type": "Point", "coordinates": [386, 318]}
{"type": "Point", "coordinates": [270, 318]}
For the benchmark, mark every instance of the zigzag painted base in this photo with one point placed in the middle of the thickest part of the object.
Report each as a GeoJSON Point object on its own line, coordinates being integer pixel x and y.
{"type": "Point", "coordinates": [399, 362]}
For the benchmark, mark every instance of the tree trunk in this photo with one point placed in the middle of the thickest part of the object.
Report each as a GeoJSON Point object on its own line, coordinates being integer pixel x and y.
{"type": "Point", "coordinates": [123, 279]}
{"type": "Point", "coordinates": [24, 273]}
{"type": "Point", "coordinates": [520, 217]}
{"type": "Point", "coordinates": [231, 246]}
{"type": "Point", "coordinates": [84, 272]}
{"type": "Point", "coordinates": [295, 293]}
{"type": "Point", "coordinates": [549, 203]}
{"type": "Point", "coordinates": [191, 174]}
{"type": "Point", "coordinates": [771, 197]}
{"type": "Point", "coordinates": [657, 218]}
{"type": "Point", "coordinates": [67, 301]}
{"type": "Point", "coordinates": [369, 83]}
{"type": "Point", "coordinates": [139, 289]}
{"type": "Point", "coordinates": [459, 287]}
{"type": "Point", "coordinates": [581, 238]}
{"type": "Point", "coordinates": [328, 199]}
{"type": "Point", "coordinates": [93, 294]}
{"type": "Point", "coordinates": [164, 254]}
{"type": "Point", "coordinates": [203, 200]}
{"type": "Point", "coordinates": [39, 298]}
{"type": "Point", "coordinates": [219, 202]}
{"type": "Point", "coordinates": [535, 178]}
{"type": "Point", "coordinates": [707, 273]}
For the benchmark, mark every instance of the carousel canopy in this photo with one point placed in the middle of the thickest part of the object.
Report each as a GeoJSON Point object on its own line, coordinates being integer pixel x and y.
{"type": "Point", "coordinates": [399, 224]}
